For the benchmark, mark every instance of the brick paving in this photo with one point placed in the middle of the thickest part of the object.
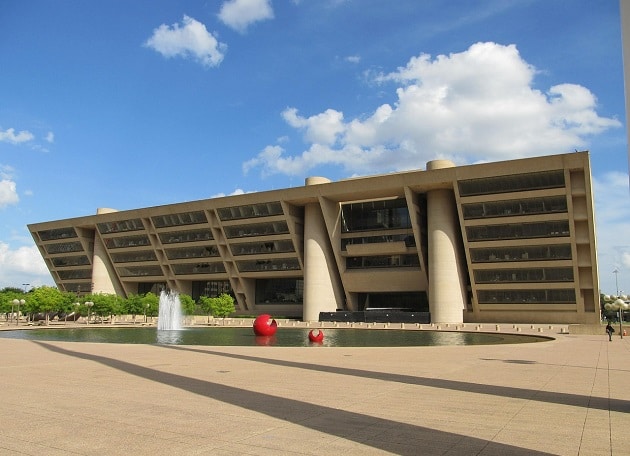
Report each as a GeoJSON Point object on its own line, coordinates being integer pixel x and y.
{"type": "Point", "coordinates": [567, 396]}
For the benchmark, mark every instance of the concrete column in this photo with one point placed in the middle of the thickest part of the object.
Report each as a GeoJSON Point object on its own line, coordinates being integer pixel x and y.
{"type": "Point", "coordinates": [446, 287]}
{"type": "Point", "coordinates": [319, 263]}
{"type": "Point", "coordinates": [101, 275]}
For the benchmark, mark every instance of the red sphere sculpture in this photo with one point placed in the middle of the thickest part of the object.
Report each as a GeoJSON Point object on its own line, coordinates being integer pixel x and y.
{"type": "Point", "coordinates": [264, 325]}
{"type": "Point", "coordinates": [316, 337]}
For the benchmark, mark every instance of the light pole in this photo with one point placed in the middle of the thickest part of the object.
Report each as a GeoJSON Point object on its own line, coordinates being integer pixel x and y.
{"type": "Point", "coordinates": [89, 305]}
{"type": "Point", "coordinates": [616, 272]}
{"type": "Point", "coordinates": [617, 304]}
{"type": "Point", "coordinates": [146, 309]}
{"type": "Point", "coordinates": [18, 303]}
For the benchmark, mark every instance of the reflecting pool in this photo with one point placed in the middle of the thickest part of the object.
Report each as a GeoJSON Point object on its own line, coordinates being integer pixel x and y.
{"type": "Point", "coordinates": [284, 337]}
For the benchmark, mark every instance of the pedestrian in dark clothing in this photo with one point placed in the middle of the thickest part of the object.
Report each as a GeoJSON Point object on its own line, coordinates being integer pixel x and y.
{"type": "Point", "coordinates": [609, 330]}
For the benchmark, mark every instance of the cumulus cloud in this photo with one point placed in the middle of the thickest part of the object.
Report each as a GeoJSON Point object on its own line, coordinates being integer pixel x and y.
{"type": "Point", "coordinates": [471, 106]}
{"type": "Point", "coordinates": [8, 189]}
{"type": "Point", "coordinates": [21, 265]}
{"type": "Point", "coordinates": [50, 137]}
{"type": "Point", "coordinates": [240, 14]}
{"type": "Point", "coordinates": [612, 214]}
{"type": "Point", "coordinates": [190, 39]}
{"type": "Point", "coordinates": [12, 137]}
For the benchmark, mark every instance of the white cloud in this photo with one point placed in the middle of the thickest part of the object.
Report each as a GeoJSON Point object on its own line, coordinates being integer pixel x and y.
{"type": "Point", "coordinates": [8, 190]}
{"type": "Point", "coordinates": [238, 191]}
{"type": "Point", "coordinates": [23, 265]}
{"type": "Point", "coordinates": [353, 59]}
{"type": "Point", "coordinates": [472, 106]}
{"type": "Point", "coordinates": [10, 136]}
{"type": "Point", "coordinates": [240, 14]}
{"type": "Point", "coordinates": [191, 39]}
{"type": "Point", "coordinates": [8, 193]}
{"type": "Point", "coordinates": [50, 137]}
{"type": "Point", "coordinates": [612, 213]}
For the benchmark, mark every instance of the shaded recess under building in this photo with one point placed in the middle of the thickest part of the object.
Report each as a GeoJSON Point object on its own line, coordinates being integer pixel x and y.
{"type": "Point", "coordinates": [510, 241]}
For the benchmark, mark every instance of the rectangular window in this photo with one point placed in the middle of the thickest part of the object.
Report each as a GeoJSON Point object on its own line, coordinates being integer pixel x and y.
{"type": "Point", "coordinates": [375, 215]}
{"type": "Point", "coordinates": [512, 183]}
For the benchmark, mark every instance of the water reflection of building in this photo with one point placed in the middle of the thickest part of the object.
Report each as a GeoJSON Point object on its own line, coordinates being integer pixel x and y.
{"type": "Point", "coordinates": [496, 242]}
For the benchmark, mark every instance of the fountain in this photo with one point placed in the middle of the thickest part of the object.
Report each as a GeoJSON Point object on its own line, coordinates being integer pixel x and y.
{"type": "Point", "coordinates": [170, 311]}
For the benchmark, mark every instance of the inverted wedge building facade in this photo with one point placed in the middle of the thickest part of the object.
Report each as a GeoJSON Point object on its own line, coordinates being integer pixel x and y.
{"type": "Point", "coordinates": [510, 241]}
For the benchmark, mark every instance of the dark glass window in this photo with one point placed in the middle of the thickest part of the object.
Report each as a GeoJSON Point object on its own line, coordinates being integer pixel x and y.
{"type": "Point", "coordinates": [176, 237]}
{"type": "Point", "coordinates": [75, 274]}
{"type": "Point", "coordinates": [558, 228]}
{"type": "Point", "coordinates": [193, 252]}
{"type": "Point", "coordinates": [256, 229]}
{"type": "Point", "coordinates": [61, 262]}
{"type": "Point", "coordinates": [139, 271]}
{"type": "Point", "coordinates": [415, 301]}
{"type": "Point", "coordinates": [130, 257]}
{"type": "Point", "coordinates": [199, 268]}
{"type": "Point", "coordinates": [211, 288]}
{"type": "Point", "coordinates": [515, 207]}
{"type": "Point", "coordinates": [250, 211]}
{"type": "Point", "coordinates": [521, 253]}
{"type": "Point", "coordinates": [375, 215]}
{"type": "Point", "coordinates": [252, 248]}
{"type": "Point", "coordinates": [57, 233]}
{"type": "Point", "coordinates": [407, 238]}
{"type": "Point", "coordinates": [140, 240]}
{"type": "Point", "coordinates": [64, 247]}
{"type": "Point", "coordinates": [185, 218]}
{"type": "Point", "coordinates": [120, 226]}
{"type": "Point", "coordinates": [279, 264]}
{"type": "Point", "coordinates": [279, 291]}
{"type": "Point", "coordinates": [561, 296]}
{"type": "Point", "coordinates": [524, 275]}
{"type": "Point", "coordinates": [512, 183]}
{"type": "Point", "coordinates": [383, 261]}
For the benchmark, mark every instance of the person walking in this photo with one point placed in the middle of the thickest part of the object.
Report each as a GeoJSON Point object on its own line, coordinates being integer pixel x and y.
{"type": "Point", "coordinates": [609, 330]}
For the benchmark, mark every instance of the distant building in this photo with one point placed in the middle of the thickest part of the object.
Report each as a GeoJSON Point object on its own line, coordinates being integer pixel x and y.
{"type": "Point", "coordinates": [510, 241]}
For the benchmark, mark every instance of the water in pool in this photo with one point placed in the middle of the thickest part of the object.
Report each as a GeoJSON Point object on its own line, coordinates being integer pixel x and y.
{"type": "Point", "coordinates": [284, 337]}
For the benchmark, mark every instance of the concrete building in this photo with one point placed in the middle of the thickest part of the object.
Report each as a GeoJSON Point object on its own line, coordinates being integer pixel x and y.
{"type": "Point", "coordinates": [510, 241]}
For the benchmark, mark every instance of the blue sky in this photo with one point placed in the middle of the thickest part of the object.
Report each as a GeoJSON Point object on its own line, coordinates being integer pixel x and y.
{"type": "Point", "coordinates": [132, 104]}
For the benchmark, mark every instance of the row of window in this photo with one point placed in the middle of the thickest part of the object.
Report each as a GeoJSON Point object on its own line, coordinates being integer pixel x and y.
{"type": "Point", "coordinates": [281, 264]}
{"type": "Point", "coordinates": [518, 230]}
{"type": "Point", "coordinates": [250, 211]}
{"type": "Point", "coordinates": [521, 253]}
{"type": "Point", "coordinates": [185, 218]}
{"type": "Point", "coordinates": [560, 296]}
{"type": "Point", "coordinates": [57, 233]}
{"type": "Point", "coordinates": [177, 237]}
{"type": "Point", "coordinates": [120, 226]}
{"type": "Point", "coordinates": [524, 275]}
{"type": "Point", "coordinates": [408, 239]}
{"type": "Point", "coordinates": [382, 261]}
{"type": "Point", "coordinates": [61, 262]}
{"type": "Point", "coordinates": [252, 248]}
{"type": "Point", "coordinates": [130, 257]}
{"type": "Point", "coordinates": [375, 215]}
{"type": "Point", "coordinates": [513, 183]}
{"type": "Point", "coordinates": [515, 207]}
{"type": "Point", "coordinates": [256, 229]}
{"type": "Point", "coordinates": [64, 247]}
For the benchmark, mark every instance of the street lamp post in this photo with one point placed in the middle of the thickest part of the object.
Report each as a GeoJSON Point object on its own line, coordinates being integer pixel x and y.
{"type": "Point", "coordinates": [18, 303]}
{"type": "Point", "coordinates": [617, 304]}
{"type": "Point", "coordinates": [146, 309]}
{"type": "Point", "coordinates": [616, 272]}
{"type": "Point", "coordinates": [89, 305]}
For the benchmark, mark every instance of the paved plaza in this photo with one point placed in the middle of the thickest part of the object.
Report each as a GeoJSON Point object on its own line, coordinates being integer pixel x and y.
{"type": "Point", "coordinates": [568, 396]}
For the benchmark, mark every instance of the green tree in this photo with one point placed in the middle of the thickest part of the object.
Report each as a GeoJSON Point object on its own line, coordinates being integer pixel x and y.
{"type": "Point", "coordinates": [205, 302]}
{"type": "Point", "coordinates": [44, 299]}
{"type": "Point", "coordinates": [133, 306]}
{"type": "Point", "coordinates": [188, 304]}
{"type": "Point", "coordinates": [150, 302]}
{"type": "Point", "coordinates": [222, 306]}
